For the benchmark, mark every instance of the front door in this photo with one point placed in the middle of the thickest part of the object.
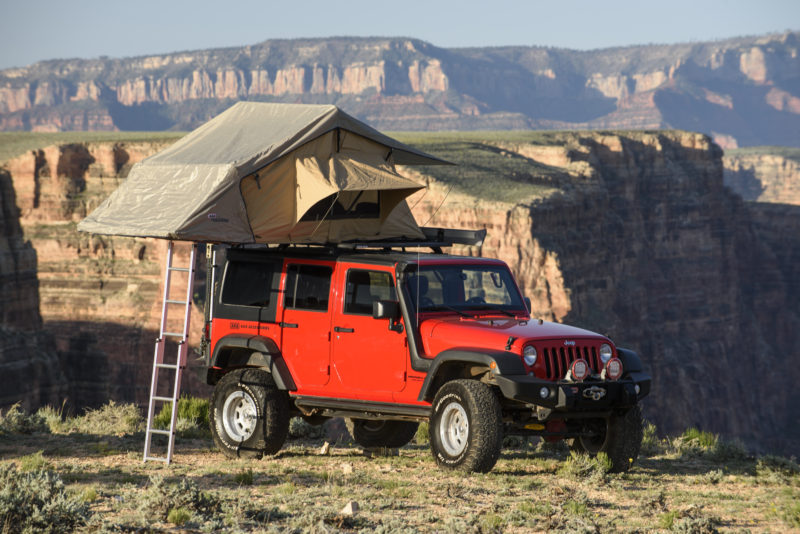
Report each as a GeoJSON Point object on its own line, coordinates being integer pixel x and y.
{"type": "Point", "coordinates": [306, 322]}
{"type": "Point", "coordinates": [367, 355]}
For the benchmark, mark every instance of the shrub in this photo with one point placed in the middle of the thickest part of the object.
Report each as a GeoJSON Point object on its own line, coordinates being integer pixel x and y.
{"type": "Point", "coordinates": [696, 525]}
{"type": "Point", "coordinates": [244, 478]}
{"type": "Point", "coordinates": [651, 444]}
{"type": "Point", "coordinates": [16, 421]}
{"type": "Point", "coordinates": [179, 516]}
{"type": "Point", "coordinates": [299, 428]}
{"type": "Point", "coordinates": [422, 437]}
{"type": "Point", "coordinates": [584, 466]}
{"type": "Point", "coordinates": [192, 417]}
{"type": "Point", "coordinates": [54, 419]}
{"type": "Point", "coordinates": [161, 497]}
{"type": "Point", "coordinates": [776, 468]}
{"type": "Point", "coordinates": [33, 462]}
{"type": "Point", "coordinates": [790, 514]}
{"type": "Point", "coordinates": [701, 443]}
{"type": "Point", "coordinates": [37, 501]}
{"type": "Point", "coordinates": [109, 419]}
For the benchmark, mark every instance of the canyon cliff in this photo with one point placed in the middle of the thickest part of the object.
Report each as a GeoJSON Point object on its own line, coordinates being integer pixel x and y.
{"type": "Point", "coordinates": [742, 92]}
{"type": "Point", "coordinates": [633, 234]}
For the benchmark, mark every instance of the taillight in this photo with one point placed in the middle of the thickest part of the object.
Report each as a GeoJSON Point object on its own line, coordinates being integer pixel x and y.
{"type": "Point", "coordinates": [579, 370]}
{"type": "Point", "coordinates": [614, 369]}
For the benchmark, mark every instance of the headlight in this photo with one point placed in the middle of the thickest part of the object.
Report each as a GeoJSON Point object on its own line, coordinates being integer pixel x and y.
{"type": "Point", "coordinates": [605, 353]}
{"type": "Point", "coordinates": [529, 355]}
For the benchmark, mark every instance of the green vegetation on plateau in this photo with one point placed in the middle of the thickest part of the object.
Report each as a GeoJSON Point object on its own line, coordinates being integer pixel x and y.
{"type": "Point", "coordinates": [85, 474]}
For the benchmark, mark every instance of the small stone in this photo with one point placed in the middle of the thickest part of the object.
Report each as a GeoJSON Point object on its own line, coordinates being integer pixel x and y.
{"type": "Point", "coordinates": [347, 469]}
{"type": "Point", "coordinates": [325, 449]}
{"type": "Point", "coordinates": [350, 509]}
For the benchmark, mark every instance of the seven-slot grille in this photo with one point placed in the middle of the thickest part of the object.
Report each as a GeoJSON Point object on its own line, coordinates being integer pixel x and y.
{"type": "Point", "coordinates": [558, 359]}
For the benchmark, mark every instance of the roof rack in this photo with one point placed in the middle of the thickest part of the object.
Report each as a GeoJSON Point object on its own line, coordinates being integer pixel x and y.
{"type": "Point", "coordinates": [435, 238]}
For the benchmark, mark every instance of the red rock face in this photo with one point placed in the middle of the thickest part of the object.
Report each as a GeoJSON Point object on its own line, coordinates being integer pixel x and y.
{"type": "Point", "coordinates": [706, 86]}
{"type": "Point", "coordinates": [650, 248]}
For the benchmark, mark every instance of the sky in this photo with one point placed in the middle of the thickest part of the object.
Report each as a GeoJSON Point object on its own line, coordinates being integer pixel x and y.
{"type": "Point", "coordinates": [35, 30]}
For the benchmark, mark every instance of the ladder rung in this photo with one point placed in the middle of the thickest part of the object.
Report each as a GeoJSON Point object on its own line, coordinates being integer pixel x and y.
{"type": "Point", "coordinates": [168, 366]}
{"type": "Point", "coordinates": [183, 302]}
{"type": "Point", "coordinates": [173, 334]}
{"type": "Point", "coordinates": [181, 269]}
{"type": "Point", "coordinates": [159, 431]}
{"type": "Point", "coordinates": [163, 399]}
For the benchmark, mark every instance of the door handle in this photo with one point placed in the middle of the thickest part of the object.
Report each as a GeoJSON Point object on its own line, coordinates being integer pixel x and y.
{"type": "Point", "coordinates": [288, 325]}
{"type": "Point", "coordinates": [343, 329]}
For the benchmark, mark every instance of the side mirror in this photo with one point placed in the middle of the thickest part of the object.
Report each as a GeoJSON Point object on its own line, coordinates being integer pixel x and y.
{"type": "Point", "coordinates": [386, 309]}
{"type": "Point", "coordinates": [527, 302]}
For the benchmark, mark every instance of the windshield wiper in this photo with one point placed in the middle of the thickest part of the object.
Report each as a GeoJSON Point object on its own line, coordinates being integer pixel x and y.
{"type": "Point", "coordinates": [495, 308]}
{"type": "Point", "coordinates": [440, 307]}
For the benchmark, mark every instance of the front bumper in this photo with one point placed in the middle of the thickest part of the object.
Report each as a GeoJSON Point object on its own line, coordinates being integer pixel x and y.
{"type": "Point", "coordinates": [589, 395]}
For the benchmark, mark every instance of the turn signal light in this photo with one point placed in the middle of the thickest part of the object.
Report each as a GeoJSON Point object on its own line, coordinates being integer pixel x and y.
{"type": "Point", "coordinates": [614, 369]}
{"type": "Point", "coordinates": [579, 369]}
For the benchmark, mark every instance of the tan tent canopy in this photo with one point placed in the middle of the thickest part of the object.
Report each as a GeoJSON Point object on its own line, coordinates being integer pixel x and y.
{"type": "Point", "coordinates": [269, 173]}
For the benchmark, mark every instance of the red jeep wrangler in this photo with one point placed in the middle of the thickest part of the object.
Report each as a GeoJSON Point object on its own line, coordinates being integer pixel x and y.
{"type": "Point", "coordinates": [387, 338]}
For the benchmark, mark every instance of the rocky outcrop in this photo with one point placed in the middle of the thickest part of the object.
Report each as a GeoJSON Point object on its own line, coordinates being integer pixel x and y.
{"type": "Point", "coordinates": [646, 245]}
{"type": "Point", "coordinates": [631, 234]}
{"type": "Point", "coordinates": [741, 91]}
{"type": "Point", "coordinates": [29, 364]}
{"type": "Point", "coordinates": [99, 296]}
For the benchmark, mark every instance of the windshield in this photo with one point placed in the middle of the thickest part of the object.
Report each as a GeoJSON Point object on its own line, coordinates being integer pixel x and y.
{"type": "Point", "coordinates": [463, 288]}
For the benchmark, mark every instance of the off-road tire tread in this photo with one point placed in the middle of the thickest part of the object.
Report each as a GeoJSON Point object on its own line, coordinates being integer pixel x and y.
{"type": "Point", "coordinates": [625, 434]}
{"type": "Point", "coordinates": [273, 413]}
{"type": "Point", "coordinates": [393, 435]}
{"type": "Point", "coordinates": [485, 422]}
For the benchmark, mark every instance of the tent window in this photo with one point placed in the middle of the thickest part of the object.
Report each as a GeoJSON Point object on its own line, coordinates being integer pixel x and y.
{"type": "Point", "coordinates": [308, 287]}
{"type": "Point", "coordinates": [247, 284]}
{"type": "Point", "coordinates": [348, 205]}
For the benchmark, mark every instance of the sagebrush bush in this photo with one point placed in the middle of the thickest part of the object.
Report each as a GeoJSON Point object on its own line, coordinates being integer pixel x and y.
{"type": "Point", "coordinates": [192, 417]}
{"type": "Point", "coordinates": [109, 419]}
{"type": "Point", "coordinates": [16, 421]}
{"type": "Point", "coordinates": [36, 501]}
{"type": "Point", "coordinates": [776, 468]}
{"type": "Point", "coordinates": [584, 466]}
{"type": "Point", "coordinates": [161, 497]}
{"type": "Point", "coordinates": [651, 443]}
{"type": "Point", "coordinates": [299, 428]}
{"type": "Point", "coordinates": [702, 443]}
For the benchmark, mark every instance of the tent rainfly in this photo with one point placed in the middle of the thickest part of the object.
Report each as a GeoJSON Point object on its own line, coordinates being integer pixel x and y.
{"type": "Point", "coordinates": [269, 173]}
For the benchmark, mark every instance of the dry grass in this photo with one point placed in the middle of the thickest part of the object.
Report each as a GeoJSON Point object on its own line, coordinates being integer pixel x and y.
{"type": "Point", "coordinates": [533, 488]}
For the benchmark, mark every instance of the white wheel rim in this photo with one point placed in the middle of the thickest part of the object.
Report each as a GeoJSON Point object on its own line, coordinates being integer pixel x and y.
{"type": "Point", "coordinates": [239, 416]}
{"type": "Point", "coordinates": [454, 429]}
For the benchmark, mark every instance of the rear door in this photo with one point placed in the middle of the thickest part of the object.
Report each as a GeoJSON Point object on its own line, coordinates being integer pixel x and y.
{"type": "Point", "coordinates": [306, 321]}
{"type": "Point", "coordinates": [367, 355]}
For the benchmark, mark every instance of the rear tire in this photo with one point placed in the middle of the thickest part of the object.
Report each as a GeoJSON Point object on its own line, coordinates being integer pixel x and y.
{"type": "Point", "coordinates": [370, 433]}
{"type": "Point", "coordinates": [620, 439]}
{"type": "Point", "coordinates": [466, 430]}
{"type": "Point", "coordinates": [248, 415]}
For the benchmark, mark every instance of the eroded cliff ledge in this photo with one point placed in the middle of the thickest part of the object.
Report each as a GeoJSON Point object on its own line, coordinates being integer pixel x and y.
{"type": "Point", "coordinates": [632, 234]}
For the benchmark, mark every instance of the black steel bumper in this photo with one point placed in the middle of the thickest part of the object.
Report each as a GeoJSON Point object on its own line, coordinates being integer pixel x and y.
{"type": "Point", "coordinates": [590, 395]}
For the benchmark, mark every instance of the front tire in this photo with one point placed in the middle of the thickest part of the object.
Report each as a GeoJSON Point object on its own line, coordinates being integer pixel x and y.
{"type": "Point", "coordinates": [248, 415]}
{"type": "Point", "coordinates": [620, 437]}
{"type": "Point", "coordinates": [466, 430]}
{"type": "Point", "coordinates": [371, 433]}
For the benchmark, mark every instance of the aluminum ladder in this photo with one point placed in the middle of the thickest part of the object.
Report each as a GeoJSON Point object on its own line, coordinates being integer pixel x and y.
{"type": "Point", "coordinates": [171, 367]}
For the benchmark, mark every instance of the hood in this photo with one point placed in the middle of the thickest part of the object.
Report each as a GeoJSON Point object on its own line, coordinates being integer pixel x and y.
{"type": "Point", "coordinates": [450, 332]}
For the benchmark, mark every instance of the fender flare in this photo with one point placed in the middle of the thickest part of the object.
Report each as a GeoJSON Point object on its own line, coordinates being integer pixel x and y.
{"type": "Point", "coordinates": [498, 362]}
{"type": "Point", "coordinates": [263, 352]}
{"type": "Point", "coordinates": [631, 363]}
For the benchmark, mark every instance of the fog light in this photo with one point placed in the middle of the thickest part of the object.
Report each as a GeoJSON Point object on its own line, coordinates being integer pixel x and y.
{"type": "Point", "coordinates": [637, 389]}
{"type": "Point", "coordinates": [544, 392]}
{"type": "Point", "coordinates": [580, 370]}
{"type": "Point", "coordinates": [614, 368]}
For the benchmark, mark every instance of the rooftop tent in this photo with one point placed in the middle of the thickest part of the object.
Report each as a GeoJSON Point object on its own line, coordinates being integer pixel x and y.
{"type": "Point", "coordinates": [269, 173]}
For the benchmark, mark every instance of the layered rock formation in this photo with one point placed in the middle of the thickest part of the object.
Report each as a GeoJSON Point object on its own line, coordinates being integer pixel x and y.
{"type": "Point", "coordinates": [630, 234]}
{"type": "Point", "coordinates": [743, 91]}
{"type": "Point", "coordinates": [645, 244]}
{"type": "Point", "coordinates": [99, 296]}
